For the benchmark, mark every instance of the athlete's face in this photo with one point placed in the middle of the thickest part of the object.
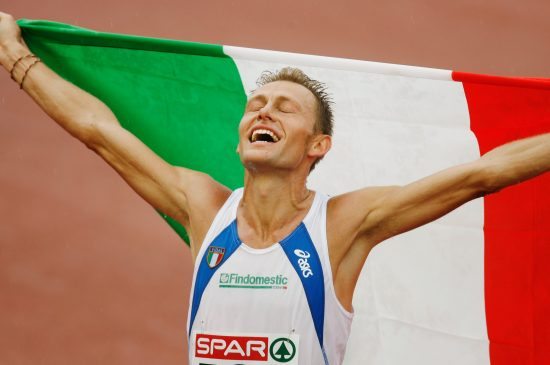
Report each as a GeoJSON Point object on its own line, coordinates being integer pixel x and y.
{"type": "Point", "coordinates": [277, 130]}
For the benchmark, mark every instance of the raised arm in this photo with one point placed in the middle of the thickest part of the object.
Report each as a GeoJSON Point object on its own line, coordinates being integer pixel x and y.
{"type": "Point", "coordinates": [399, 209]}
{"type": "Point", "coordinates": [165, 187]}
{"type": "Point", "coordinates": [359, 220]}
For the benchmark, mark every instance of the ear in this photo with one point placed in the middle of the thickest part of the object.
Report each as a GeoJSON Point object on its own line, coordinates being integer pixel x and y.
{"type": "Point", "coordinates": [320, 146]}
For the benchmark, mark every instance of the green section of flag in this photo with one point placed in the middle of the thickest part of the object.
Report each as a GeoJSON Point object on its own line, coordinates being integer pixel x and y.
{"type": "Point", "coordinates": [184, 100]}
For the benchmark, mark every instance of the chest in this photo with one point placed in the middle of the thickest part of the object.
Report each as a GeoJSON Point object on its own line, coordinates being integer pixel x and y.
{"type": "Point", "coordinates": [253, 293]}
{"type": "Point", "coordinates": [237, 286]}
{"type": "Point", "coordinates": [254, 284]}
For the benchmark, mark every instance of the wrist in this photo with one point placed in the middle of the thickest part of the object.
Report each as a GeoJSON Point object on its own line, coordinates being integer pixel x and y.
{"type": "Point", "coordinates": [11, 52]}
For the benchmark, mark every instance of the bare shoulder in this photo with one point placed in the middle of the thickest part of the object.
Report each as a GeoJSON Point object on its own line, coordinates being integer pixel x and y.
{"type": "Point", "coordinates": [362, 196]}
{"type": "Point", "coordinates": [352, 208]}
{"type": "Point", "coordinates": [346, 215]}
{"type": "Point", "coordinates": [205, 196]}
{"type": "Point", "coordinates": [201, 188]}
{"type": "Point", "coordinates": [350, 218]}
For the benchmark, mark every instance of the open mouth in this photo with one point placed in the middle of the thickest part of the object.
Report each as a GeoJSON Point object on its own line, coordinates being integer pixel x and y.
{"type": "Point", "coordinates": [263, 135]}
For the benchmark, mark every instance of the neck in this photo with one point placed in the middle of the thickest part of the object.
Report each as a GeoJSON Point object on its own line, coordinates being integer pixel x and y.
{"type": "Point", "coordinates": [272, 206]}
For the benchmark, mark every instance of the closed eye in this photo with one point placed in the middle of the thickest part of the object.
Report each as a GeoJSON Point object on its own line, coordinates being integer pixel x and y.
{"type": "Point", "coordinates": [255, 104]}
{"type": "Point", "coordinates": [287, 107]}
{"type": "Point", "coordinates": [254, 108]}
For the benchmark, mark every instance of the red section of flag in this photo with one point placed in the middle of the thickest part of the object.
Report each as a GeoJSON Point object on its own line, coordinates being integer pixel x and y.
{"type": "Point", "coordinates": [517, 223]}
{"type": "Point", "coordinates": [530, 82]}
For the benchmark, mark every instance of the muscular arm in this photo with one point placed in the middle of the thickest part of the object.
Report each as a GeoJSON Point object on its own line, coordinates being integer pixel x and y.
{"type": "Point", "coordinates": [376, 214]}
{"type": "Point", "coordinates": [400, 209]}
{"type": "Point", "coordinates": [165, 187]}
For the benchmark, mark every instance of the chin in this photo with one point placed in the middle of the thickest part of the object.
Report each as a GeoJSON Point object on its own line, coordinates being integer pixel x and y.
{"type": "Point", "coordinates": [258, 161]}
{"type": "Point", "coordinates": [255, 164]}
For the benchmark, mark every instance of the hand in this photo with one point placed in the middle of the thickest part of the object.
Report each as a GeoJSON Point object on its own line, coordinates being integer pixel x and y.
{"type": "Point", "coordinates": [9, 30]}
{"type": "Point", "coordinates": [12, 46]}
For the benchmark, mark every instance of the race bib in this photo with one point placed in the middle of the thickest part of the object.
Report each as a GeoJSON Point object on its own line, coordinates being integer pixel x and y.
{"type": "Point", "coordinates": [245, 349]}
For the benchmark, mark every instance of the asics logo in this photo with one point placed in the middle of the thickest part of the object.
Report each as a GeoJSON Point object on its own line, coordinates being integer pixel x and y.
{"type": "Point", "coordinates": [302, 262]}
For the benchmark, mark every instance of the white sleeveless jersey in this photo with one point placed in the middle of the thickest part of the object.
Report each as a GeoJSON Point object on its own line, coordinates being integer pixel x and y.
{"type": "Point", "coordinates": [266, 306]}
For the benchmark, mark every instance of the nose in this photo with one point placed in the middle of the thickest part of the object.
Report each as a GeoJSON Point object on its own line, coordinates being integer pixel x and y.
{"type": "Point", "coordinates": [265, 112]}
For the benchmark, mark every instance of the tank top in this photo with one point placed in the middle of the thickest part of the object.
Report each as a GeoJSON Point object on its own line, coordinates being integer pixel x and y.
{"type": "Point", "coordinates": [275, 305]}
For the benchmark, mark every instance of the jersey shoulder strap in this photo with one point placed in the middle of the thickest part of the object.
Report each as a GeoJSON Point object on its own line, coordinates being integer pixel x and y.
{"type": "Point", "coordinates": [220, 243]}
{"type": "Point", "coordinates": [306, 257]}
{"type": "Point", "coordinates": [224, 217]}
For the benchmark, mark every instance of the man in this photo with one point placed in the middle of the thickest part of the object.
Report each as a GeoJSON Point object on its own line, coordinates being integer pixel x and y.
{"type": "Point", "coordinates": [275, 231]}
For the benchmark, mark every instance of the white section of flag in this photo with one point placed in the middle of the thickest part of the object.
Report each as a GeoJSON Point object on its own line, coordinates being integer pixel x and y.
{"type": "Point", "coordinates": [345, 64]}
{"type": "Point", "coordinates": [420, 299]}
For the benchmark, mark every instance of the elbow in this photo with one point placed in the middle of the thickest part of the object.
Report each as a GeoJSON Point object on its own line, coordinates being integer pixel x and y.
{"type": "Point", "coordinates": [90, 133]}
{"type": "Point", "coordinates": [93, 130]}
{"type": "Point", "coordinates": [487, 179]}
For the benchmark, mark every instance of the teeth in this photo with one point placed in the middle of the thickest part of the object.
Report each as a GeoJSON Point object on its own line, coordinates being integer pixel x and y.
{"type": "Point", "coordinates": [263, 131]}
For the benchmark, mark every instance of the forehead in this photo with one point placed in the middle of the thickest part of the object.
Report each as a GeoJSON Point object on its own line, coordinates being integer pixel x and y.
{"type": "Point", "coordinates": [285, 90]}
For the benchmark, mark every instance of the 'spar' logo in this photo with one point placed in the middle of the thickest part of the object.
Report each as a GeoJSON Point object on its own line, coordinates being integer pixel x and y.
{"type": "Point", "coordinates": [239, 348]}
{"type": "Point", "coordinates": [282, 350]}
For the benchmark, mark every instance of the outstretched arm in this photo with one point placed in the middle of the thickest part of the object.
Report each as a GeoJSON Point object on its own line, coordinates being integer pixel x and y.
{"type": "Point", "coordinates": [165, 187]}
{"type": "Point", "coordinates": [399, 209]}
{"type": "Point", "coordinates": [361, 219]}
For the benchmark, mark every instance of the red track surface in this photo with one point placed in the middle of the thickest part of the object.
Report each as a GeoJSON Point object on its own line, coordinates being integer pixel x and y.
{"type": "Point", "coordinates": [89, 274]}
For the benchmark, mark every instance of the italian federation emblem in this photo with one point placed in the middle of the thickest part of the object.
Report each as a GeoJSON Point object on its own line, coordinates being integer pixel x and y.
{"type": "Point", "coordinates": [214, 256]}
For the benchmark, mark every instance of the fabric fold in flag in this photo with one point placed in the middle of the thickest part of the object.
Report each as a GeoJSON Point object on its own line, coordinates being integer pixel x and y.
{"type": "Point", "coordinates": [470, 288]}
{"type": "Point", "coordinates": [146, 83]}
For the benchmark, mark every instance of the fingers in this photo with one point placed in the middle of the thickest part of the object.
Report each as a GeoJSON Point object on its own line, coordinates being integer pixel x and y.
{"type": "Point", "coordinates": [10, 33]}
{"type": "Point", "coordinates": [7, 23]}
{"type": "Point", "coordinates": [5, 16]}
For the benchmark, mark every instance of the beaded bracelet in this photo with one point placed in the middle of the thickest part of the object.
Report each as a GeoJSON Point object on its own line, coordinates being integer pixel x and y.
{"type": "Point", "coordinates": [36, 60]}
{"type": "Point", "coordinates": [16, 62]}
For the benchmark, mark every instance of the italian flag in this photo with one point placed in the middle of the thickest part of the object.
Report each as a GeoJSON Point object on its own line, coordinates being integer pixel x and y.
{"type": "Point", "coordinates": [471, 288]}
